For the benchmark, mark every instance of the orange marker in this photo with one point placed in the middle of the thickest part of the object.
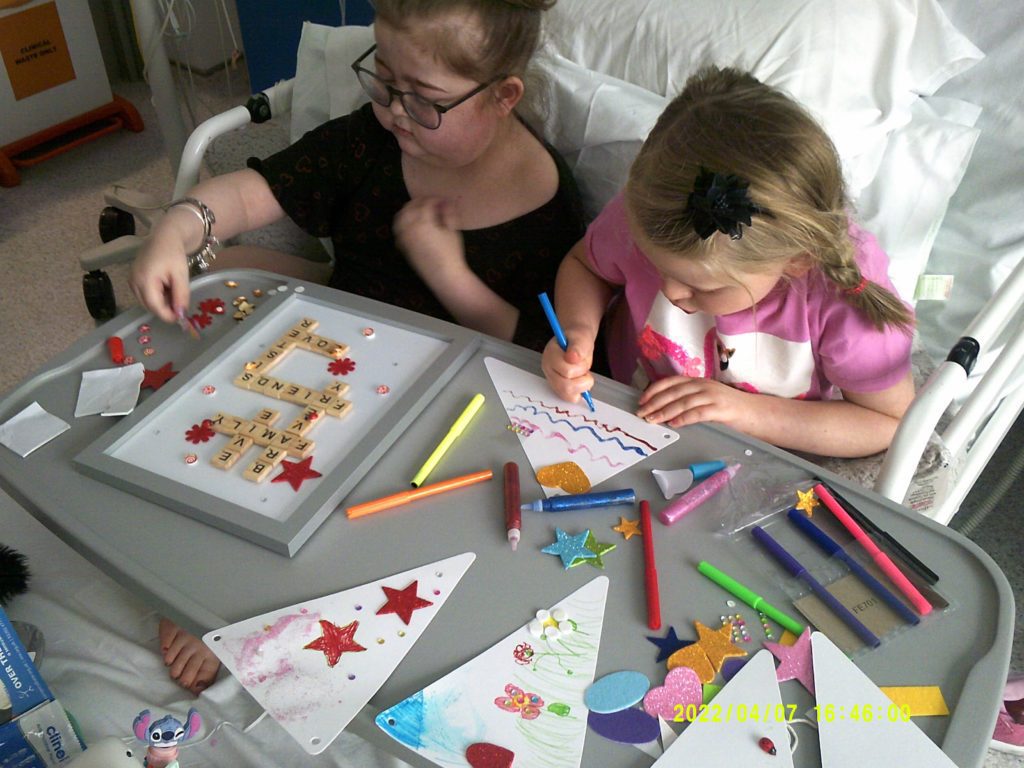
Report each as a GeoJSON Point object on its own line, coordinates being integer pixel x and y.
{"type": "Point", "coordinates": [397, 499]}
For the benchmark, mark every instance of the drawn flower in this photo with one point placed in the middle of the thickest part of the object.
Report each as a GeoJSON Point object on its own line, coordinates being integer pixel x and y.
{"type": "Point", "coordinates": [200, 433]}
{"type": "Point", "coordinates": [523, 654]}
{"type": "Point", "coordinates": [519, 701]}
{"type": "Point", "coordinates": [342, 367]}
{"type": "Point", "coordinates": [211, 306]}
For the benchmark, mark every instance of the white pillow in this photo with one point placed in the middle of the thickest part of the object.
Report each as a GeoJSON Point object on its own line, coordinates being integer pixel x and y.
{"type": "Point", "coordinates": [923, 165]}
{"type": "Point", "coordinates": [857, 66]}
{"type": "Point", "coordinates": [325, 85]}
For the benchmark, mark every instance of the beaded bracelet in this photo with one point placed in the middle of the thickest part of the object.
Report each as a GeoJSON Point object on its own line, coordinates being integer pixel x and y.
{"type": "Point", "coordinates": [199, 260]}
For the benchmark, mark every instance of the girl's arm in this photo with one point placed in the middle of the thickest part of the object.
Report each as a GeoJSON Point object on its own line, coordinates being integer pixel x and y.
{"type": "Point", "coordinates": [860, 425]}
{"type": "Point", "coordinates": [240, 201]}
{"type": "Point", "coordinates": [426, 231]}
{"type": "Point", "coordinates": [581, 297]}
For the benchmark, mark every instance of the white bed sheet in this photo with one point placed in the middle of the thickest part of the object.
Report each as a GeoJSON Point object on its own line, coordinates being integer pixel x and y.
{"type": "Point", "coordinates": [101, 661]}
{"type": "Point", "coordinates": [982, 237]}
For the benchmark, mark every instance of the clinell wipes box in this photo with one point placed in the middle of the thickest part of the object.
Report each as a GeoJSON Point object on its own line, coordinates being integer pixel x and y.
{"type": "Point", "coordinates": [35, 732]}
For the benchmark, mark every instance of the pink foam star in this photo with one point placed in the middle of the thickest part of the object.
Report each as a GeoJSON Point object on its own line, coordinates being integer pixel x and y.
{"type": "Point", "coordinates": [795, 660]}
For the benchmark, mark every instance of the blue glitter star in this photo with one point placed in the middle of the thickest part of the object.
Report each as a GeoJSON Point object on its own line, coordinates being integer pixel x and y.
{"type": "Point", "coordinates": [569, 548]}
{"type": "Point", "coordinates": [668, 644]}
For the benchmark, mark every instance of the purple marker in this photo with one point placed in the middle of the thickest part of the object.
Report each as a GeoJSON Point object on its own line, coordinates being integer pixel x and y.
{"type": "Point", "coordinates": [697, 495]}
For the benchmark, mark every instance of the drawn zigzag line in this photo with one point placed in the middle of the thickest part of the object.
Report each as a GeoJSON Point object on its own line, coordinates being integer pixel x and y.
{"type": "Point", "coordinates": [586, 428]}
{"type": "Point", "coordinates": [595, 422]}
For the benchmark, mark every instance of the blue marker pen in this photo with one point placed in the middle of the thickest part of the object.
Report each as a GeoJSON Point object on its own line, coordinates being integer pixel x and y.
{"type": "Point", "coordinates": [582, 501]}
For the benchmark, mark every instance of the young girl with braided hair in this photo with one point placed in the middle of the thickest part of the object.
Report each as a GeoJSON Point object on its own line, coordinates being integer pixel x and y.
{"type": "Point", "coordinates": [742, 291]}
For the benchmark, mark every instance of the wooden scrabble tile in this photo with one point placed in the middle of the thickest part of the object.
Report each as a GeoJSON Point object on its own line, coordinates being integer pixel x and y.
{"type": "Point", "coordinates": [258, 471]}
{"type": "Point", "coordinates": [272, 456]}
{"type": "Point", "coordinates": [307, 422]}
{"type": "Point", "coordinates": [284, 345]}
{"type": "Point", "coordinates": [262, 382]}
{"type": "Point", "coordinates": [266, 436]}
{"type": "Point", "coordinates": [307, 340]}
{"type": "Point", "coordinates": [338, 388]}
{"type": "Point", "coordinates": [225, 459]}
{"type": "Point", "coordinates": [256, 367]}
{"type": "Point", "coordinates": [267, 416]}
{"type": "Point", "coordinates": [275, 388]}
{"type": "Point", "coordinates": [251, 429]}
{"type": "Point", "coordinates": [301, 448]}
{"type": "Point", "coordinates": [295, 393]}
{"type": "Point", "coordinates": [240, 444]}
{"type": "Point", "coordinates": [245, 380]}
{"type": "Point", "coordinates": [225, 423]}
{"type": "Point", "coordinates": [270, 358]}
{"type": "Point", "coordinates": [339, 408]}
{"type": "Point", "coordinates": [308, 324]}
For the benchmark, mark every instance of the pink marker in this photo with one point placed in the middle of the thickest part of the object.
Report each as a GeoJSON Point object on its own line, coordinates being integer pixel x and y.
{"type": "Point", "coordinates": [697, 495]}
{"type": "Point", "coordinates": [888, 567]}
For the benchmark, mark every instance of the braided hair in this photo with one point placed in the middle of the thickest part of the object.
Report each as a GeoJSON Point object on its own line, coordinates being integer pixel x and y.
{"type": "Point", "coordinates": [775, 167]}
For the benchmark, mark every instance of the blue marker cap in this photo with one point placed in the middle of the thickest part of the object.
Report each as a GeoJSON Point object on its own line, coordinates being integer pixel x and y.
{"type": "Point", "coordinates": [705, 469]}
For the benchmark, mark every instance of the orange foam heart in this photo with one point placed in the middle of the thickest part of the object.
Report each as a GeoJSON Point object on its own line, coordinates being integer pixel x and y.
{"type": "Point", "coordinates": [568, 475]}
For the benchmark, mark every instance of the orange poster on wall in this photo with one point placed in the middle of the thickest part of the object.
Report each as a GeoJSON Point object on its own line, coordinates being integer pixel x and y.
{"type": "Point", "coordinates": [35, 51]}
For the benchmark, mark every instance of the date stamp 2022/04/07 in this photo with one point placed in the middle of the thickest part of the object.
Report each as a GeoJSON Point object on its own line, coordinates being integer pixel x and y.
{"type": "Point", "coordinates": [742, 713]}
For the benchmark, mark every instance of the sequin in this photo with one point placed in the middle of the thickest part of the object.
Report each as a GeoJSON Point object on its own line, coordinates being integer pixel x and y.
{"type": "Point", "coordinates": [369, 332]}
{"type": "Point", "coordinates": [191, 458]}
{"type": "Point", "coordinates": [383, 389]}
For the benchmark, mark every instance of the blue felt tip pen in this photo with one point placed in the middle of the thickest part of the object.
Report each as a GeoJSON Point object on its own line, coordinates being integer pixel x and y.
{"type": "Point", "coordinates": [831, 547]}
{"type": "Point", "coordinates": [793, 565]}
{"type": "Point", "coordinates": [556, 328]}
{"type": "Point", "coordinates": [582, 501]}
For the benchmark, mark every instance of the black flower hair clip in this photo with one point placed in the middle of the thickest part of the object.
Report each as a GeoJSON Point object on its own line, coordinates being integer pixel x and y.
{"type": "Point", "coordinates": [720, 203]}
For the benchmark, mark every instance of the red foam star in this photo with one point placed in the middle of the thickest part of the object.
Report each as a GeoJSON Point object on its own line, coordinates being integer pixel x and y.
{"type": "Point", "coordinates": [403, 602]}
{"type": "Point", "coordinates": [156, 379]}
{"type": "Point", "coordinates": [343, 367]}
{"type": "Point", "coordinates": [295, 472]}
{"type": "Point", "coordinates": [201, 321]}
{"type": "Point", "coordinates": [335, 641]}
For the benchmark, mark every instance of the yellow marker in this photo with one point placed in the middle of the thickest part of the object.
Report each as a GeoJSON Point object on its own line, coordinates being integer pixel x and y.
{"type": "Point", "coordinates": [460, 424]}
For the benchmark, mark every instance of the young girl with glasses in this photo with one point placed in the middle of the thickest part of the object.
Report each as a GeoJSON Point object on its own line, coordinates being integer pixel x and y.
{"type": "Point", "coordinates": [436, 195]}
{"type": "Point", "coordinates": [749, 297]}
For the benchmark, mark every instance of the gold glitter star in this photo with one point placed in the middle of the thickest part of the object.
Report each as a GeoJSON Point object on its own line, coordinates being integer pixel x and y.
{"type": "Point", "coordinates": [808, 501]}
{"type": "Point", "coordinates": [628, 528]}
{"type": "Point", "coordinates": [717, 644]}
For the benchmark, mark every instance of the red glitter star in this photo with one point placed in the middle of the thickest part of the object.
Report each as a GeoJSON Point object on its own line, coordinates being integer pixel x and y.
{"type": "Point", "coordinates": [295, 472]}
{"type": "Point", "coordinates": [335, 641]}
{"type": "Point", "coordinates": [344, 366]}
{"type": "Point", "coordinates": [403, 602]}
{"type": "Point", "coordinates": [156, 379]}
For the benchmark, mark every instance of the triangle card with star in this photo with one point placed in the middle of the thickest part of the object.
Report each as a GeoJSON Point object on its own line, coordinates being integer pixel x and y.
{"type": "Point", "coordinates": [312, 666]}
{"type": "Point", "coordinates": [517, 699]}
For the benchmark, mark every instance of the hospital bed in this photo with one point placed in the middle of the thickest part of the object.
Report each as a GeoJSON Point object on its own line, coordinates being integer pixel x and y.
{"type": "Point", "coordinates": [924, 104]}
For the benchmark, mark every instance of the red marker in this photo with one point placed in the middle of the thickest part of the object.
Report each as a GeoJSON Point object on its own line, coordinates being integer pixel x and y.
{"type": "Point", "coordinates": [767, 745]}
{"type": "Point", "coordinates": [513, 512]}
{"type": "Point", "coordinates": [650, 570]}
{"type": "Point", "coordinates": [116, 349]}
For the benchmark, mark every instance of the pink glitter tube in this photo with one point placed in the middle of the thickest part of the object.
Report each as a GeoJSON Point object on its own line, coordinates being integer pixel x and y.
{"type": "Point", "coordinates": [697, 495]}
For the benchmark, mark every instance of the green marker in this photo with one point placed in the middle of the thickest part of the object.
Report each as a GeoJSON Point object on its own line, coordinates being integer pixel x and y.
{"type": "Point", "coordinates": [748, 596]}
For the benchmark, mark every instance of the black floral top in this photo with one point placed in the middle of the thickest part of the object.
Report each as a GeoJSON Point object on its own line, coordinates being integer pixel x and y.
{"type": "Point", "coordinates": [343, 180]}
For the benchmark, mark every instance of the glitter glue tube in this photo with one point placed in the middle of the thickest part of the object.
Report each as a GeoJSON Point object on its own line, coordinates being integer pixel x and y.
{"type": "Point", "coordinates": [697, 495]}
{"type": "Point", "coordinates": [582, 501]}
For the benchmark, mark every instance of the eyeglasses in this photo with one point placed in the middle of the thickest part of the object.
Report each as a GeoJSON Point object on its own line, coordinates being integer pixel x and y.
{"type": "Point", "coordinates": [422, 111]}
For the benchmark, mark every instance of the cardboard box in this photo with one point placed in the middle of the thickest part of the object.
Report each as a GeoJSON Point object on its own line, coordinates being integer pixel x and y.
{"type": "Point", "coordinates": [35, 731]}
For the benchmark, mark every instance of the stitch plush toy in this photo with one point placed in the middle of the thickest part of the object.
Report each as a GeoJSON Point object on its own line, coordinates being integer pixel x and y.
{"type": "Point", "coordinates": [163, 736]}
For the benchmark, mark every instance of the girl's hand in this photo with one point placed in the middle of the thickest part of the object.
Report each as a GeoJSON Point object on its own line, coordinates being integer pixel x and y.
{"type": "Point", "coordinates": [568, 372]}
{"type": "Point", "coordinates": [426, 231]}
{"type": "Point", "coordinates": [159, 277]}
{"type": "Point", "coordinates": [680, 400]}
